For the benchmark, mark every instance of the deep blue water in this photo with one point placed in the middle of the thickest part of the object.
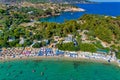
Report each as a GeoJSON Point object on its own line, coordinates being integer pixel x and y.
{"type": "Point", "coordinates": [108, 8]}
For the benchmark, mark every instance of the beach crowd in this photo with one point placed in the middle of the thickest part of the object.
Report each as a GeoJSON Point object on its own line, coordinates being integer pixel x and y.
{"type": "Point", "coordinates": [19, 53]}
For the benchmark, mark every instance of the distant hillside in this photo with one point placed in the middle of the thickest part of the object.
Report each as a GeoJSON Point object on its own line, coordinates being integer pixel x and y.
{"type": "Point", "coordinates": [70, 1]}
{"type": "Point", "coordinates": [37, 1]}
{"type": "Point", "coordinates": [18, 1]}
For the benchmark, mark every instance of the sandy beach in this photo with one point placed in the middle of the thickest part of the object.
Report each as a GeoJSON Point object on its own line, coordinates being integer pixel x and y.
{"type": "Point", "coordinates": [51, 54]}
{"type": "Point", "coordinates": [74, 9]}
{"type": "Point", "coordinates": [59, 58]}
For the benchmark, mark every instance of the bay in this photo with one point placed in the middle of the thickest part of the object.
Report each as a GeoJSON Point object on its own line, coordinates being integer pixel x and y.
{"type": "Point", "coordinates": [106, 8]}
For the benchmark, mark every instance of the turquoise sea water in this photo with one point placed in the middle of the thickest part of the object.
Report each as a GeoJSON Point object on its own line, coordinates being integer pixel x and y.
{"type": "Point", "coordinates": [57, 70]}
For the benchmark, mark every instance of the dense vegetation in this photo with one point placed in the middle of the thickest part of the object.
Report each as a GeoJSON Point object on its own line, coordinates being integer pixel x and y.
{"type": "Point", "coordinates": [103, 27]}
{"type": "Point", "coordinates": [13, 32]}
{"type": "Point", "coordinates": [39, 1]}
{"type": "Point", "coordinates": [106, 29]}
{"type": "Point", "coordinates": [38, 45]}
{"type": "Point", "coordinates": [65, 47]}
{"type": "Point", "coordinates": [80, 47]}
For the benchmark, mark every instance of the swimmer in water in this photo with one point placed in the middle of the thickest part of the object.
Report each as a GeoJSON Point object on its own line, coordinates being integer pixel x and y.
{"type": "Point", "coordinates": [42, 73]}
{"type": "Point", "coordinates": [33, 71]}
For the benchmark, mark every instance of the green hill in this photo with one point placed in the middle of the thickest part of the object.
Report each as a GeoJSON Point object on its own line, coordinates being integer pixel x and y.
{"type": "Point", "coordinates": [37, 1]}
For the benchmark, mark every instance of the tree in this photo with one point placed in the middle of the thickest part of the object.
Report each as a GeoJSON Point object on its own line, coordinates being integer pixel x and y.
{"type": "Point", "coordinates": [37, 45]}
{"type": "Point", "coordinates": [13, 43]}
{"type": "Point", "coordinates": [118, 55]}
{"type": "Point", "coordinates": [87, 47]}
{"type": "Point", "coordinates": [68, 47]}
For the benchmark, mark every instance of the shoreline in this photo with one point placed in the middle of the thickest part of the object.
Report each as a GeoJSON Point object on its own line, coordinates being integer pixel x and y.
{"type": "Point", "coordinates": [66, 10]}
{"type": "Point", "coordinates": [73, 9]}
{"type": "Point", "coordinates": [58, 58]}
{"type": "Point", "coordinates": [45, 53]}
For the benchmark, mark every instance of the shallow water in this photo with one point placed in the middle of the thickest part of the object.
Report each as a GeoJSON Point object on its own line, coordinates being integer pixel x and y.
{"type": "Point", "coordinates": [57, 70]}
